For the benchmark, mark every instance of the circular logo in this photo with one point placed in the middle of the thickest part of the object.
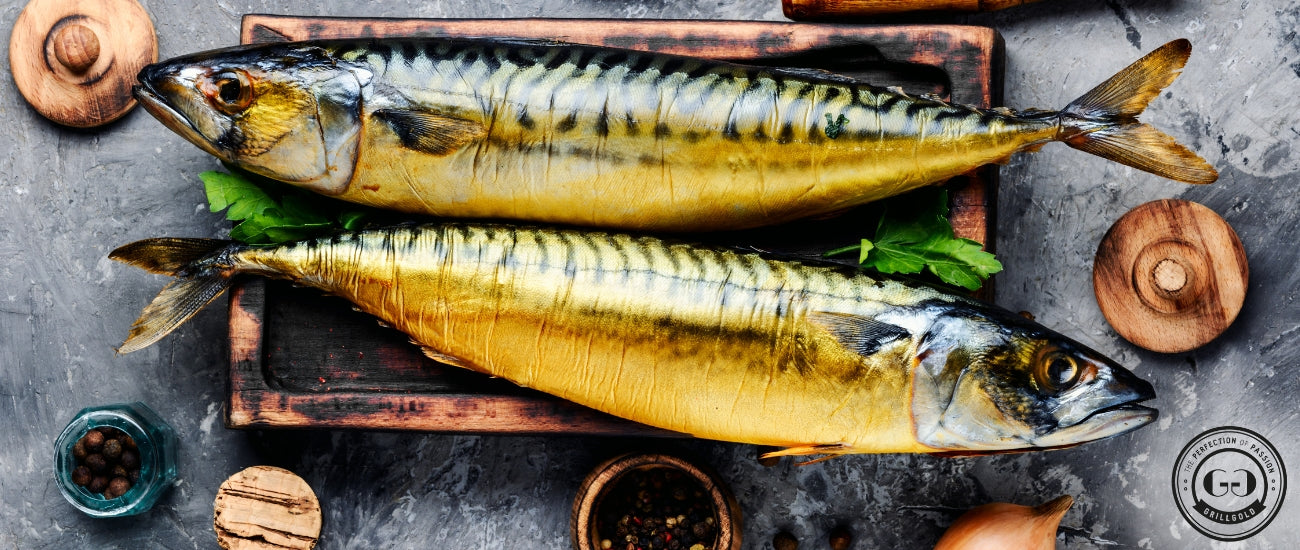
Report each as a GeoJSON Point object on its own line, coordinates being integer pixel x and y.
{"type": "Point", "coordinates": [1229, 483]}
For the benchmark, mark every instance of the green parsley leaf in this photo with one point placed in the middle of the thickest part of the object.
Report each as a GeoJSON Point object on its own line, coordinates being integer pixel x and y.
{"type": "Point", "coordinates": [243, 198]}
{"type": "Point", "coordinates": [866, 247]}
{"type": "Point", "coordinates": [268, 212]}
{"type": "Point", "coordinates": [914, 234]}
{"type": "Point", "coordinates": [352, 221]}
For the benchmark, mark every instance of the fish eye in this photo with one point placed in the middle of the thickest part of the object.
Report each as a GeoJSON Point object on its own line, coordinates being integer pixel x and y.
{"type": "Point", "coordinates": [1058, 371]}
{"type": "Point", "coordinates": [230, 91]}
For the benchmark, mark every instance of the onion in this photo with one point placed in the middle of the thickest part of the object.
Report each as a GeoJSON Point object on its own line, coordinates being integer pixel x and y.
{"type": "Point", "coordinates": [1004, 526]}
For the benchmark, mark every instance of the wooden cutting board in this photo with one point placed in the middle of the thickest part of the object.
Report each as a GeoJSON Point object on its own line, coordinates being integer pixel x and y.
{"type": "Point", "coordinates": [299, 359]}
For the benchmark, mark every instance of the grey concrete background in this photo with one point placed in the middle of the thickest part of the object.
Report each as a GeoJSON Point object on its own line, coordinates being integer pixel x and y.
{"type": "Point", "coordinates": [68, 197]}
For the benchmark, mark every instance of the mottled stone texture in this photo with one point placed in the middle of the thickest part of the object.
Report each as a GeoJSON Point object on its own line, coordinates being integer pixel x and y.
{"type": "Point", "coordinates": [71, 196]}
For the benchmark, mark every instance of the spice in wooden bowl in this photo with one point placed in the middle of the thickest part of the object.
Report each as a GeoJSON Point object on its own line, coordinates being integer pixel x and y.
{"type": "Point", "coordinates": [656, 508]}
{"type": "Point", "coordinates": [654, 502]}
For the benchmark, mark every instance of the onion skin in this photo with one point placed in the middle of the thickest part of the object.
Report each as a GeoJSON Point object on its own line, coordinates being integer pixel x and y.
{"type": "Point", "coordinates": [1005, 526]}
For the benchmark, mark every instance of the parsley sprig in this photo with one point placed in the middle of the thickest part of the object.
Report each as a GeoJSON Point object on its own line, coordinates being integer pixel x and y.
{"type": "Point", "coordinates": [268, 212]}
{"type": "Point", "coordinates": [914, 234]}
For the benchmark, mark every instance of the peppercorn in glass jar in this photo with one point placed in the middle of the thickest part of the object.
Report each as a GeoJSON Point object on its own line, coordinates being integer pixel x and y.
{"type": "Point", "coordinates": [115, 460]}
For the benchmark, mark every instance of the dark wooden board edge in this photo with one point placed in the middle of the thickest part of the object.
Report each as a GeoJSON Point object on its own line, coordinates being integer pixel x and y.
{"type": "Point", "coordinates": [253, 403]}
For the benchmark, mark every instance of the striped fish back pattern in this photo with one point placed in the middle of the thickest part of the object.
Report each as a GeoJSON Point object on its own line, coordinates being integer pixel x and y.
{"type": "Point", "coordinates": [545, 91]}
{"type": "Point", "coordinates": [577, 273]}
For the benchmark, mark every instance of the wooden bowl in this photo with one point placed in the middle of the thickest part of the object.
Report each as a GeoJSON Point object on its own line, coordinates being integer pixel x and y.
{"type": "Point", "coordinates": [602, 479]}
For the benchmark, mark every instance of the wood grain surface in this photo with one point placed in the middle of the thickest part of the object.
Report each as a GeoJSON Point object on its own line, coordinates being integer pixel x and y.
{"type": "Point", "coordinates": [1170, 275]}
{"type": "Point", "coordinates": [266, 508]}
{"type": "Point", "coordinates": [302, 360]}
{"type": "Point", "coordinates": [72, 196]}
{"type": "Point", "coordinates": [75, 62]}
{"type": "Point", "coordinates": [827, 9]}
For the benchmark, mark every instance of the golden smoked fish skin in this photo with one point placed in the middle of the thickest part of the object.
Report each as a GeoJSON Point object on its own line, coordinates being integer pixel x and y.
{"type": "Point", "coordinates": [706, 341]}
{"type": "Point", "coordinates": [585, 135]}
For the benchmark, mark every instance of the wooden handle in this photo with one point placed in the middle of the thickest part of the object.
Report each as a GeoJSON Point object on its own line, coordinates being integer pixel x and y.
{"type": "Point", "coordinates": [822, 9]}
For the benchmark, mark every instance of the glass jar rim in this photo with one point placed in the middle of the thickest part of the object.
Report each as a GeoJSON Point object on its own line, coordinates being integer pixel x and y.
{"type": "Point", "coordinates": [127, 418]}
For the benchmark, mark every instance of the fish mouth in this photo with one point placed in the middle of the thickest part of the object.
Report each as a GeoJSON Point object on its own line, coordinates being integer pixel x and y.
{"type": "Point", "coordinates": [1108, 422]}
{"type": "Point", "coordinates": [156, 104]}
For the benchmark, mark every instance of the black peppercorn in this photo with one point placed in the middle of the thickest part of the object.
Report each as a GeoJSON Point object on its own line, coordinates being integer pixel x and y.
{"type": "Point", "coordinates": [785, 541]}
{"type": "Point", "coordinates": [117, 487]}
{"type": "Point", "coordinates": [79, 449]}
{"type": "Point", "coordinates": [118, 471]}
{"type": "Point", "coordinates": [93, 440]}
{"type": "Point", "coordinates": [81, 475]}
{"type": "Point", "coordinates": [129, 459]}
{"type": "Point", "coordinates": [127, 442]}
{"type": "Point", "coordinates": [97, 484]}
{"type": "Point", "coordinates": [112, 450]}
{"type": "Point", "coordinates": [96, 463]}
{"type": "Point", "coordinates": [700, 530]}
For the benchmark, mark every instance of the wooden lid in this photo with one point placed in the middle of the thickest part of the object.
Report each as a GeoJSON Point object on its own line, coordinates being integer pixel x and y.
{"type": "Point", "coordinates": [1170, 275]}
{"type": "Point", "coordinates": [75, 61]}
{"type": "Point", "coordinates": [266, 508]}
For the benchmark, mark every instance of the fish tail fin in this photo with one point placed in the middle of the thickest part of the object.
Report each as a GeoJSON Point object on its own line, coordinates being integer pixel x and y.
{"type": "Point", "coordinates": [1104, 120]}
{"type": "Point", "coordinates": [204, 273]}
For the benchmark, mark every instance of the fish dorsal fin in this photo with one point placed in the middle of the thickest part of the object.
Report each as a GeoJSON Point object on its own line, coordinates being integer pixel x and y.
{"type": "Point", "coordinates": [809, 73]}
{"type": "Point", "coordinates": [863, 335]}
{"type": "Point", "coordinates": [517, 41]}
{"type": "Point", "coordinates": [432, 133]}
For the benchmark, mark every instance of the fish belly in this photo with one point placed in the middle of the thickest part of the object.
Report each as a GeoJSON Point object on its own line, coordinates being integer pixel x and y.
{"type": "Point", "coordinates": [705, 342]}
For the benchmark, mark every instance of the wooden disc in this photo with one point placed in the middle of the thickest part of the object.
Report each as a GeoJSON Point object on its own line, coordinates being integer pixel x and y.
{"type": "Point", "coordinates": [266, 508]}
{"type": "Point", "coordinates": [76, 60]}
{"type": "Point", "coordinates": [1170, 275]}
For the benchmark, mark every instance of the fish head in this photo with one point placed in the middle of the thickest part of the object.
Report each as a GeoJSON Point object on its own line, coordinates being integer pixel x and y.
{"type": "Point", "coordinates": [992, 381]}
{"type": "Point", "coordinates": [290, 112]}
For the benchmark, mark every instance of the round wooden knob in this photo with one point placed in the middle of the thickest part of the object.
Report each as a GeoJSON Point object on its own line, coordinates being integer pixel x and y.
{"type": "Point", "coordinates": [1170, 275]}
{"type": "Point", "coordinates": [76, 47]}
{"type": "Point", "coordinates": [266, 508]}
{"type": "Point", "coordinates": [75, 61]}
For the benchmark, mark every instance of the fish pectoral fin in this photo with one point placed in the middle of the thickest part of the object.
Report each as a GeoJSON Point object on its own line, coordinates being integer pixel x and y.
{"type": "Point", "coordinates": [830, 450]}
{"type": "Point", "coordinates": [447, 359]}
{"type": "Point", "coordinates": [863, 335]}
{"type": "Point", "coordinates": [429, 132]}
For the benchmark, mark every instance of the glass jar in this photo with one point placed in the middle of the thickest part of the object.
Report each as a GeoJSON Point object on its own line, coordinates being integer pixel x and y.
{"type": "Point", "coordinates": [157, 447]}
